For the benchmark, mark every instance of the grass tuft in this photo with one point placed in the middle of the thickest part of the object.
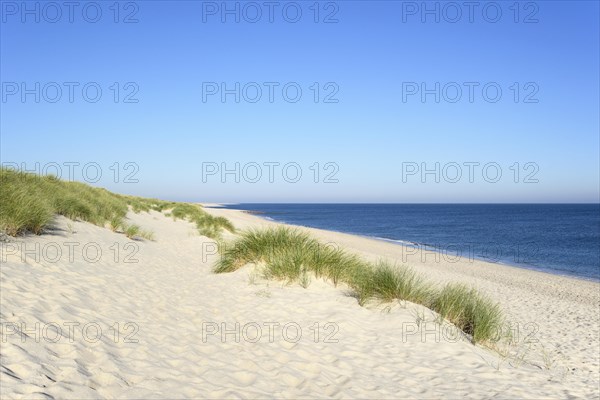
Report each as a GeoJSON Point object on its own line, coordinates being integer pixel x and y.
{"type": "Point", "coordinates": [131, 231]}
{"type": "Point", "coordinates": [21, 210]}
{"type": "Point", "coordinates": [206, 224]}
{"type": "Point", "coordinates": [401, 283]}
{"type": "Point", "coordinates": [148, 235]}
{"type": "Point", "coordinates": [473, 313]}
{"type": "Point", "coordinates": [293, 256]}
{"type": "Point", "coordinates": [116, 223]}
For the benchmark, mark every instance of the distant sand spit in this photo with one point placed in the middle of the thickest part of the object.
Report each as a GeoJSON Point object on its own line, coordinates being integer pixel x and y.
{"type": "Point", "coordinates": [118, 318]}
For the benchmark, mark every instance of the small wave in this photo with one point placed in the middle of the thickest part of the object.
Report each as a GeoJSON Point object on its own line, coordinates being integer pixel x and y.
{"type": "Point", "coordinates": [398, 241]}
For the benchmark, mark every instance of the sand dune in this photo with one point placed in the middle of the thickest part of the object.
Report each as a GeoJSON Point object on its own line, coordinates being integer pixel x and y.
{"type": "Point", "coordinates": [150, 320]}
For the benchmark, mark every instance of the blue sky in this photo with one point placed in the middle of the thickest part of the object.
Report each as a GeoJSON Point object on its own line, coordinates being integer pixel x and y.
{"type": "Point", "coordinates": [176, 139]}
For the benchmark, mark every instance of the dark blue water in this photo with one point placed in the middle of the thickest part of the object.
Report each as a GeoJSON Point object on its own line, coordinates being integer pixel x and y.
{"type": "Point", "coordinates": [557, 238]}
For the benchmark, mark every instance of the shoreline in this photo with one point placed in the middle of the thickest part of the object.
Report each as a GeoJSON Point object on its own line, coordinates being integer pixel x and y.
{"type": "Point", "coordinates": [260, 221]}
{"type": "Point", "coordinates": [541, 270]}
{"type": "Point", "coordinates": [553, 311]}
{"type": "Point", "coordinates": [406, 244]}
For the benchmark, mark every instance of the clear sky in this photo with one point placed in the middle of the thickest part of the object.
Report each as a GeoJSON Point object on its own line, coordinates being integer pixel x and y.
{"type": "Point", "coordinates": [367, 115]}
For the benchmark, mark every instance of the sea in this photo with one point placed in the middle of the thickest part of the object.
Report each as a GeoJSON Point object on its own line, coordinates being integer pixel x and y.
{"type": "Point", "coordinates": [561, 239]}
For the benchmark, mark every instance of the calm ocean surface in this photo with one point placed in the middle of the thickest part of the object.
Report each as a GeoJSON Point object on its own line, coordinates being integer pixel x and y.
{"type": "Point", "coordinates": [558, 238]}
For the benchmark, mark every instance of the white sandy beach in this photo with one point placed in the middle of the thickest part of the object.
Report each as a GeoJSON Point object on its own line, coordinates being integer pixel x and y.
{"type": "Point", "coordinates": [169, 305]}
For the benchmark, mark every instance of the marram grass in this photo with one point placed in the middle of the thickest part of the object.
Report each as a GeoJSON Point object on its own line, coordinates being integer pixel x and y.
{"type": "Point", "coordinates": [289, 255]}
{"type": "Point", "coordinates": [206, 224]}
{"type": "Point", "coordinates": [131, 231]}
{"type": "Point", "coordinates": [285, 252]}
{"type": "Point", "coordinates": [148, 235]}
{"type": "Point", "coordinates": [21, 210]}
{"type": "Point", "coordinates": [387, 283]}
{"type": "Point", "coordinates": [116, 223]}
{"type": "Point", "coordinates": [469, 311]}
{"type": "Point", "coordinates": [28, 203]}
